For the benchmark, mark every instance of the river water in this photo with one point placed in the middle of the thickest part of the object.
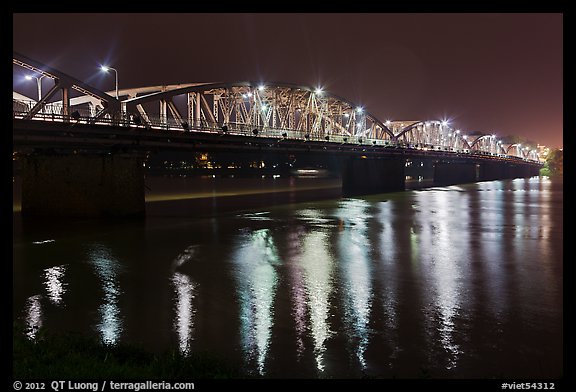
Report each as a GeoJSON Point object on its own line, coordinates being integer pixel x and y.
{"type": "Point", "coordinates": [286, 278]}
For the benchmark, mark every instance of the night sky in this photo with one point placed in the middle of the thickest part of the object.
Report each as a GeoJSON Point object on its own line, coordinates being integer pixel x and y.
{"type": "Point", "coordinates": [493, 73]}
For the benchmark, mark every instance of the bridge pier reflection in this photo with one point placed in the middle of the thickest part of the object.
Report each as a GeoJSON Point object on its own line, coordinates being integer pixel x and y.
{"type": "Point", "coordinates": [87, 185]}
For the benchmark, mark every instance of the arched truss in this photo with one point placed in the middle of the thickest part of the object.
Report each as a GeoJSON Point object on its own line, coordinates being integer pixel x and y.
{"type": "Point", "coordinates": [514, 149]}
{"type": "Point", "coordinates": [101, 103]}
{"type": "Point", "coordinates": [430, 134]}
{"type": "Point", "coordinates": [295, 110]}
{"type": "Point", "coordinates": [487, 143]}
{"type": "Point", "coordinates": [272, 109]}
{"type": "Point", "coordinates": [525, 152]}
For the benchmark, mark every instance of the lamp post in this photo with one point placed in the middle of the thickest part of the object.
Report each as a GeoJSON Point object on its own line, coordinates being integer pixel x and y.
{"type": "Point", "coordinates": [39, 83]}
{"type": "Point", "coordinates": [106, 69]}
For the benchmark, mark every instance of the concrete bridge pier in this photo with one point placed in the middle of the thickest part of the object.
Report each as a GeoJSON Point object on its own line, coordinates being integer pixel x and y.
{"type": "Point", "coordinates": [371, 176]}
{"type": "Point", "coordinates": [451, 173]}
{"type": "Point", "coordinates": [87, 185]}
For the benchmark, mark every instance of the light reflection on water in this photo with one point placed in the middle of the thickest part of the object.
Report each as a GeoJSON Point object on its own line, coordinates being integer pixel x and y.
{"type": "Point", "coordinates": [294, 239]}
{"type": "Point", "coordinates": [256, 259]}
{"type": "Point", "coordinates": [33, 316]}
{"type": "Point", "coordinates": [184, 321]}
{"type": "Point", "coordinates": [107, 269]}
{"type": "Point", "coordinates": [445, 258]}
{"type": "Point", "coordinates": [493, 217]}
{"type": "Point", "coordinates": [463, 281]}
{"type": "Point", "coordinates": [354, 249]}
{"type": "Point", "coordinates": [388, 255]}
{"type": "Point", "coordinates": [185, 292]}
{"type": "Point", "coordinates": [54, 283]}
{"type": "Point", "coordinates": [317, 264]}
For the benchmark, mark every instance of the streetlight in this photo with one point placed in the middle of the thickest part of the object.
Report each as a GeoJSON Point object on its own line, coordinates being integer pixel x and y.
{"type": "Point", "coordinates": [106, 69]}
{"type": "Point", "coordinates": [39, 82]}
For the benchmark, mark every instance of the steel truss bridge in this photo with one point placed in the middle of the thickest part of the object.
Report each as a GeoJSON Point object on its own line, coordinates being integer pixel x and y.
{"type": "Point", "coordinates": [280, 111]}
{"type": "Point", "coordinates": [82, 150]}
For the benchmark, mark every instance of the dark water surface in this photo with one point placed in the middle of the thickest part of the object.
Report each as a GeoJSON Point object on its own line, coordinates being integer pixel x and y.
{"type": "Point", "coordinates": [289, 279]}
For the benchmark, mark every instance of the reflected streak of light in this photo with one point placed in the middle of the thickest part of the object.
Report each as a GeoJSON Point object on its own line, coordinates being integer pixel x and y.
{"type": "Point", "coordinates": [546, 226]}
{"type": "Point", "coordinates": [318, 265]}
{"type": "Point", "coordinates": [43, 242]}
{"type": "Point", "coordinates": [519, 202]}
{"type": "Point", "coordinates": [530, 206]}
{"type": "Point", "coordinates": [257, 280]}
{"type": "Point", "coordinates": [414, 249]}
{"type": "Point", "coordinates": [491, 223]}
{"type": "Point", "coordinates": [299, 295]}
{"type": "Point", "coordinates": [528, 244]}
{"type": "Point", "coordinates": [298, 290]}
{"type": "Point", "coordinates": [544, 201]}
{"type": "Point", "coordinates": [185, 293]}
{"type": "Point", "coordinates": [33, 316]}
{"type": "Point", "coordinates": [448, 293]}
{"type": "Point", "coordinates": [55, 286]}
{"type": "Point", "coordinates": [390, 286]}
{"type": "Point", "coordinates": [318, 268]}
{"type": "Point", "coordinates": [440, 245]}
{"type": "Point", "coordinates": [107, 269]}
{"type": "Point", "coordinates": [184, 319]}
{"type": "Point", "coordinates": [354, 246]}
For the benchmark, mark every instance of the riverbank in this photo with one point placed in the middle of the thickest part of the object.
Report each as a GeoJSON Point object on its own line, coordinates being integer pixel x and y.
{"type": "Point", "coordinates": [70, 356]}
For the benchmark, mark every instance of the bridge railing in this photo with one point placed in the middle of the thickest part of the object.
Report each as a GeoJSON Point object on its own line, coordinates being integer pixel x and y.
{"type": "Point", "coordinates": [83, 115]}
{"type": "Point", "coordinates": [23, 107]}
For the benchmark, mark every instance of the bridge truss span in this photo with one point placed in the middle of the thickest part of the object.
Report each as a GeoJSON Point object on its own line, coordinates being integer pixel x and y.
{"type": "Point", "coordinates": [431, 135]}
{"type": "Point", "coordinates": [273, 109]}
{"type": "Point", "coordinates": [253, 109]}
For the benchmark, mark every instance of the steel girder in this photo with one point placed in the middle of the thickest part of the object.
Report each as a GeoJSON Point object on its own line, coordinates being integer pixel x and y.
{"type": "Point", "coordinates": [525, 152]}
{"type": "Point", "coordinates": [63, 83]}
{"type": "Point", "coordinates": [430, 134]}
{"type": "Point", "coordinates": [283, 107]}
{"type": "Point", "coordinates": [275, 109]}
{"type": "Point", "coordinates": [486, 143]}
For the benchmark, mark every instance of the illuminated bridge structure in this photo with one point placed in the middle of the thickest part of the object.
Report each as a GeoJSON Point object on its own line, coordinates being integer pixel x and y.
{"type": "Point", "coordinates": [79, 133]}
